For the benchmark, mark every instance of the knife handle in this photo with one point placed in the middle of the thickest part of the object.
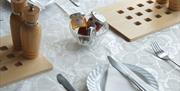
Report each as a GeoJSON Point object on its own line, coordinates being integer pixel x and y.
{"type": "Point", "coordinates": [65, 83]}
{"type": "Point", "coordinates": [136, 84]}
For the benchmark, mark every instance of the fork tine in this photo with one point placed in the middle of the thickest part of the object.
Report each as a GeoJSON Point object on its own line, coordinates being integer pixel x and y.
{"type": "Point", "coordinates": [157, 50]}
{"type": "Point", "coordinates": [154, 48]}
{"type": "Point", "coordinates": [158, 47]}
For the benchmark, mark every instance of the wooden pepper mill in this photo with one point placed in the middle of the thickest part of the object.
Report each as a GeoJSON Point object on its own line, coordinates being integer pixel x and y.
{"type": "Point", "coordinates": [30, 32]}
{"type": "Point", "coordinates": [174, 5]}
{"type": "Point", "coordinates": [16, 21]}
{"type": "Point", "coordinates": [162, 1]}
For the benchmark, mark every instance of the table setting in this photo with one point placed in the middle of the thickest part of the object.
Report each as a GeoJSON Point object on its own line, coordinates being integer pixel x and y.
{"type": "Point", "coordinates": [85, 51]}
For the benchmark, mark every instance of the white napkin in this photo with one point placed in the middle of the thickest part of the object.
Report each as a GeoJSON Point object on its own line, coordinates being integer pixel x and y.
{"type": "Point", "coordinates": [68, 7]}
{"type": "Point", "coordinates": [116, 82]}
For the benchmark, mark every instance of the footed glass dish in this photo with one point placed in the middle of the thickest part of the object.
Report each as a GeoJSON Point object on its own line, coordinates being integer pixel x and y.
{"type": "Point", "coordinates": [88, 35]}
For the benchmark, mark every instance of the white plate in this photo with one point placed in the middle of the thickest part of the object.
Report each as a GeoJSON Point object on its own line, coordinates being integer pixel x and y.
{"type": "Point", "coordinates": [42, 4]}
{"type": "Point", "coordinates": [96, 78]}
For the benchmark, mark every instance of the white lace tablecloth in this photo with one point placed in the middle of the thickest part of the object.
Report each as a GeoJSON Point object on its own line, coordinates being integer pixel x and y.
{"type": "Point", "coordinates": [75, 62]}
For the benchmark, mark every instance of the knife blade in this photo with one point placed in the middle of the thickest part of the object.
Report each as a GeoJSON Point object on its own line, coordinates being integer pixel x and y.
{"type": "Point", "coordinates": [104, 78]}
{"type": "Point", "coordinates": [65, 83]}
{"type": "Point", "coordinates": [130, 75]}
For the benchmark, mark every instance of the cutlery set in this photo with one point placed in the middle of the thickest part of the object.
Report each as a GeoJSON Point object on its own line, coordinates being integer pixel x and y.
{"type": "Point", "coordinates": [96, 81]}
{"type": "Point", "coordinates": [124, 70]}
{"type": "Point", "coordinates": [131, 76]}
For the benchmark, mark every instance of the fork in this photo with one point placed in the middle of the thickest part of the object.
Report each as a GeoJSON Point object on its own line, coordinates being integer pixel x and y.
{"type": "Point", "coordinates": [160, 53]}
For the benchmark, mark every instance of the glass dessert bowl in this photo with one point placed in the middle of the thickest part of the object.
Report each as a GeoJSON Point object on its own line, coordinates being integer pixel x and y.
{"type": "Point", "coordinates": [86, 29]}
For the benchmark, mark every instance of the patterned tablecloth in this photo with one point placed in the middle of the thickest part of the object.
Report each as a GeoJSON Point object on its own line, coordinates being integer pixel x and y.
{"type": "Point", "coordinates": [75, 62]}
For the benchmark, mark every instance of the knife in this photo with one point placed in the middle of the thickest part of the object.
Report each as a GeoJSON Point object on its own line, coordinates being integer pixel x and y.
{"type": "Point", "coordinates": [130, 75]}
{"type": "Point", "coordinates": [65, 83]}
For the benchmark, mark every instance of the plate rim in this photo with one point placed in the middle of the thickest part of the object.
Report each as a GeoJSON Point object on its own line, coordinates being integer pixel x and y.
{"type": "Point", "coordinates": [131, 67]}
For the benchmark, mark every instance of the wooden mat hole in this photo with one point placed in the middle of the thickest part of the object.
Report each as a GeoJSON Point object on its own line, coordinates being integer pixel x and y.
{"type": "Point", "coordinates": [137, 23]}
{"type": "Point", "coordinates": [130, 8]}
{"type": "Point", "coordinates": [148, 10]}
{"type": "Point", "coordinates": [4, 68]}
{"type": "Point", "coordinates": [168, 12]}
{"type": "Point", "coordinates": [120, 12]}
{"type": "Point", "coordinates": [18, 64]}
{"type": "Point", "coordinates": [148, 19]}
{"type": "Point", "coordinates": [3, 48]}
{"type": "Point", "coordinates": [139, 14]}
{"type": "Point", "coordinates": [150, 2]}
{"type": "Point", "coordinates": [129, 17]}
{"type": "Point", "coordinates": [158, 16]}
{"type": "Point", "coordinates": [140, 5]}
{"type": "Point", "coordinates": [11, 55]}
{"type": "Point", "coordinates": [158, 7]}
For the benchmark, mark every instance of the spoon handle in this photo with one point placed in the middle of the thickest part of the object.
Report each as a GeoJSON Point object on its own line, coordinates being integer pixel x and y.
{"type": "Point", "coordinates": [65, 83]}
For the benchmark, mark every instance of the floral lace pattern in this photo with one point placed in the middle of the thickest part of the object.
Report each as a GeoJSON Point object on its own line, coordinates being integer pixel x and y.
{"type": "Point", "coordinates": [75, 62]}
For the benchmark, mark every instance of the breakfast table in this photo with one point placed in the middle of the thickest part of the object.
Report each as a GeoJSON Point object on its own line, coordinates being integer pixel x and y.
{"type": "Point", "coordinates": [75, 61]}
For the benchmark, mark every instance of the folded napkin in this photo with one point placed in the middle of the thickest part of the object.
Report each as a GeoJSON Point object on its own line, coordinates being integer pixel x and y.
{"type": "Point", "coordinates": [68, 7]}
{"type": "Point", "coordinates": [116, 82]}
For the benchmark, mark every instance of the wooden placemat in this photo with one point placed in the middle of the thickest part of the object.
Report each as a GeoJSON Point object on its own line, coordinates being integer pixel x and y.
{"type": "Point", "coordinates": [13, 67]}
{"type": "Point", "coordinates": [136, 18]}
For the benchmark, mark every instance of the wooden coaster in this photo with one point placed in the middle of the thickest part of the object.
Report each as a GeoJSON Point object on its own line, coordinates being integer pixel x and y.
{"type": "Point", "coordinates": [13, 67]}
{"type": "Point", "coordinates": [136, 18]}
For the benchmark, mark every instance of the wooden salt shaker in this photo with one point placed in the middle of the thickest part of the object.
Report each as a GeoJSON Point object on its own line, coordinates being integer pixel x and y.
{"type": "Point", "coordinates": [30, 32]}
{"type": "Point", "coordinates": [162, 1]}
{"type": "Point", "coordinates": [174, 5]}
{"type": "Point", "coordinates": [16, 21]}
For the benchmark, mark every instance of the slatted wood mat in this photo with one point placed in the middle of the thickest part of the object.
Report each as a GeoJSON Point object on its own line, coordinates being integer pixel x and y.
{"type": "Point", "coordinates": [13, 67]}
{"type": "Point", "coordinates": [136, 18]}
